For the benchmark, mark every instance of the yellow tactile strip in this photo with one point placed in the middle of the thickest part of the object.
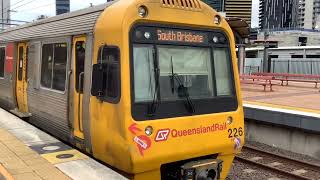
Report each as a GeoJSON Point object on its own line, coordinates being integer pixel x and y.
{"type": "Point", "coordinates": [282, 107]}
{"type": "Point", "coordinates": [5, 173]}
{"type": "Point", "coordinates": [22, 163]}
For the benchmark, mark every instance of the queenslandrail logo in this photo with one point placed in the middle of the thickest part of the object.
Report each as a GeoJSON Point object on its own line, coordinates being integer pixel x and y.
{"type": "Point", "coordinates": [163, 134]}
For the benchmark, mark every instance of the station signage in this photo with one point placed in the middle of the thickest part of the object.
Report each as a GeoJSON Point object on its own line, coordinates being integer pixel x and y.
{"type": "Point", "coordinates": [170, 36]}
{"type": "Point", "coordinates": [167, 35]}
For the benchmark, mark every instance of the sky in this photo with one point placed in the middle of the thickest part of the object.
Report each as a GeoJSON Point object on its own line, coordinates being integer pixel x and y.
{"type": "Point", "coordinates": [28, 10]}
{"type": "Point", "coordinates": [255, 13]}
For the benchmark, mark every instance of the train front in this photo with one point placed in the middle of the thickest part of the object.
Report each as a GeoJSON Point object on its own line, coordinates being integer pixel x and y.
{"type": "Point", "coordinates": [180, 113]}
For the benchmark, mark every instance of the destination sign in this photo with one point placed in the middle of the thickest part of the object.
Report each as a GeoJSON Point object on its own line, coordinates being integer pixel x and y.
{"type": "Point", "coordinates": [181, 36]}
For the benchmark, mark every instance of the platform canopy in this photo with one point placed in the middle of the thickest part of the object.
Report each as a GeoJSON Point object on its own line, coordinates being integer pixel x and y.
{"type": "Point", "coordinates": [239, 26]}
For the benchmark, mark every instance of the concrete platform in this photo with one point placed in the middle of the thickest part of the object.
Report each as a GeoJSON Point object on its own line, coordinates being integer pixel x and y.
{"type": "Point", "coordinates": [28, 153]}
{"type": "Point", "coordinates": [287, 118]}
{"type": "Point", "coordinates": [296, 105]}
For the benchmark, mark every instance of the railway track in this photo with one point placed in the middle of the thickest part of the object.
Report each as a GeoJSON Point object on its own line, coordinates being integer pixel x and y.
{"type": "Point", "coordinates": [279, 164]}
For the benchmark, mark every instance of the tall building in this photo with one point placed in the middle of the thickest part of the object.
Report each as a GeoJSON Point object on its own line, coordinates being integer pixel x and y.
{"type": "Point", "coordinates": [239, 8]}
{"type": "Point", "coordinates": [278, 14]}
{"type": "Point", "coordinates": [4, 14]}
{"type": "Point", "coordinates": [233, 8]}
{"type": "Point", "coordinates": [309, 14]}
{"type": "Point", "coordinates": [62, 6]}
{"type": "Point", "coordinates": [216, 4]}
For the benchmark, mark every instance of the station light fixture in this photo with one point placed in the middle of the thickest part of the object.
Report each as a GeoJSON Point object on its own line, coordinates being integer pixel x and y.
{"type": "Point", "coordinates": [142, 11]}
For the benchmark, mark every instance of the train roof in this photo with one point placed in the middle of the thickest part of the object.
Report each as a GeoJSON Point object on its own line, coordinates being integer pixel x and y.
{"type": "Point", "coordinates": [77, 22]}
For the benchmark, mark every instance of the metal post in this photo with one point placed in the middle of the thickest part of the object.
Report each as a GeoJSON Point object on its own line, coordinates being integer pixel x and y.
{"type": "Point", "coordinates": [265, 59]}
{"type": "Point", "coordinates": [288, 66]}
{"type": "Point", "coordinates": [242, 56]}
{"type": "Point", "coordinates": [273, 62]}
{"type": "Point", "coordinates": [311, 66]}
{"type": "Point", "coordinates": [2, 13]}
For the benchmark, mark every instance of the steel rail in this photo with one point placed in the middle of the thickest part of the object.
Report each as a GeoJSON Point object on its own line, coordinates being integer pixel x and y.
{"type": "Point", "coordinates": [272, 169]}
{"type": "Point", "coordinates": [310, 165]}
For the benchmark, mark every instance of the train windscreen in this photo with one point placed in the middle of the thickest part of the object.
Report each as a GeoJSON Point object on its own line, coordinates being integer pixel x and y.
{"type": "Point", "coordinates": [173, 65]}
{"type": "Point", "coordinates": [191, 67]}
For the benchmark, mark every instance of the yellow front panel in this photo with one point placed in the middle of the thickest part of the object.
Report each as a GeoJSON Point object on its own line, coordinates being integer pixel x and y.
{"type": "Point", "coordinates": [121, 141]}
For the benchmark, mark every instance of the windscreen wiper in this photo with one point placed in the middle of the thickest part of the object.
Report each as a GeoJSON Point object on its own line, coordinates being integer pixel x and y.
{"type": "Point", "coordinates": [172, 77]}
{"type": "Point", "coordinates": [182, 90]}
{"type": "Point", "coordinates": [155, 101]}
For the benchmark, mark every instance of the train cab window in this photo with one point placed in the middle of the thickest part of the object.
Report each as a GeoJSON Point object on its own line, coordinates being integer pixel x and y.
{"type": "Point", "coordinates": [222, 71]}
{"type": "Point", "coordinates": [109, 57]}
{"type": "Point", "coordinates": [196, 76]}
{"type": "Point", "coordinates": [53, 67]}
{"type": "Point", "coordinates": [2, 61]}
{"type": "Point", "coordinates": [144, 73]}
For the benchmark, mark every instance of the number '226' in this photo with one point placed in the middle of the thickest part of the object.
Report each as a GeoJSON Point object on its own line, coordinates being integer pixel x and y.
{"type": "Point", "coordinates": [235, 132]}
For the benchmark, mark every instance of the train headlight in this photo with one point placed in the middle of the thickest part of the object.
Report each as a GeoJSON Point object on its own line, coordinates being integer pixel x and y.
{"type": "Point", "coordinates": [229, 120]}
{"type": "Point", "coordinates": [215, 39]}
{"type": "Point", "coordinates": [143, 11]}
{"type": "Point", "coordinates": [149, 130]}
{"type": "Point", "coordinates": [217, 19]}
{"type": "Point", "coordinates": [147, 35]}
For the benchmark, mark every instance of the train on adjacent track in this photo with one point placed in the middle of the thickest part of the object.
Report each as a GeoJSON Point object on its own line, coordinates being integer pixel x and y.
{"type": "Point", "coordinates": [150, 87]}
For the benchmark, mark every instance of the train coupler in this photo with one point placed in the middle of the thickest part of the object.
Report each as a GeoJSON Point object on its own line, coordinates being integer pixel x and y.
{"type": "Point", "coordinates": [208, 169]}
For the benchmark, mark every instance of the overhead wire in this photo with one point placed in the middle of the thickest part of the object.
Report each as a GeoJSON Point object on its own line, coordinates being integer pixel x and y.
{"type": "Point", "coordinates": [21, 5]}
{"type": "Point", "coordinates": [8, 7]}
{"type": "Point", "coordinates": [24, 4]}
{"type": "Point", "coordinates": [23, 10]}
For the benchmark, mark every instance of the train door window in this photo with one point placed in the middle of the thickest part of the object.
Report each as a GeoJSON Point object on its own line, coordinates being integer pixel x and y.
{"type": "Point", "coordinates": [80, 58]}
{"type": "Point", "coordinates": [223, 71]}
{"type": "Point", "coordinates": [20, 58]}
{"type": "Point", "coordinates": [110, 58]}
{"type": "Point", "coordinates": [53, 67]}
{"type": "Point", "coordinates": [2, 61]}
{"type": "Point", "coordinates": [27, 56]}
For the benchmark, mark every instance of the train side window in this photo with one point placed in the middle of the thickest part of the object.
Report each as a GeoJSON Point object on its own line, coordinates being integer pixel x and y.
{"type": "Point", "coordinates": [53, 66]}
{"type": "Point", "coordinates": [109, 58]}
{"type": "Point", "coordinates": [2, 61]}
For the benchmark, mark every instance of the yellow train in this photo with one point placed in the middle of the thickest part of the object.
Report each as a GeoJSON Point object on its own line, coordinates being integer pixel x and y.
{"type": "Point", "coordinates": [149, 87]}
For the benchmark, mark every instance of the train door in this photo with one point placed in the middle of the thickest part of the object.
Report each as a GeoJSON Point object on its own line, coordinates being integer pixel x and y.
{"type": "Point", "coordinates": [78, 69]}
{"type": "Point", "coordinates": [21, 78]}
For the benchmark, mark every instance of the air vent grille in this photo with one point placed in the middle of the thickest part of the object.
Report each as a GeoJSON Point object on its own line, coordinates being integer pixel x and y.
{"type": "Point", "coordinates": [182, 4]}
